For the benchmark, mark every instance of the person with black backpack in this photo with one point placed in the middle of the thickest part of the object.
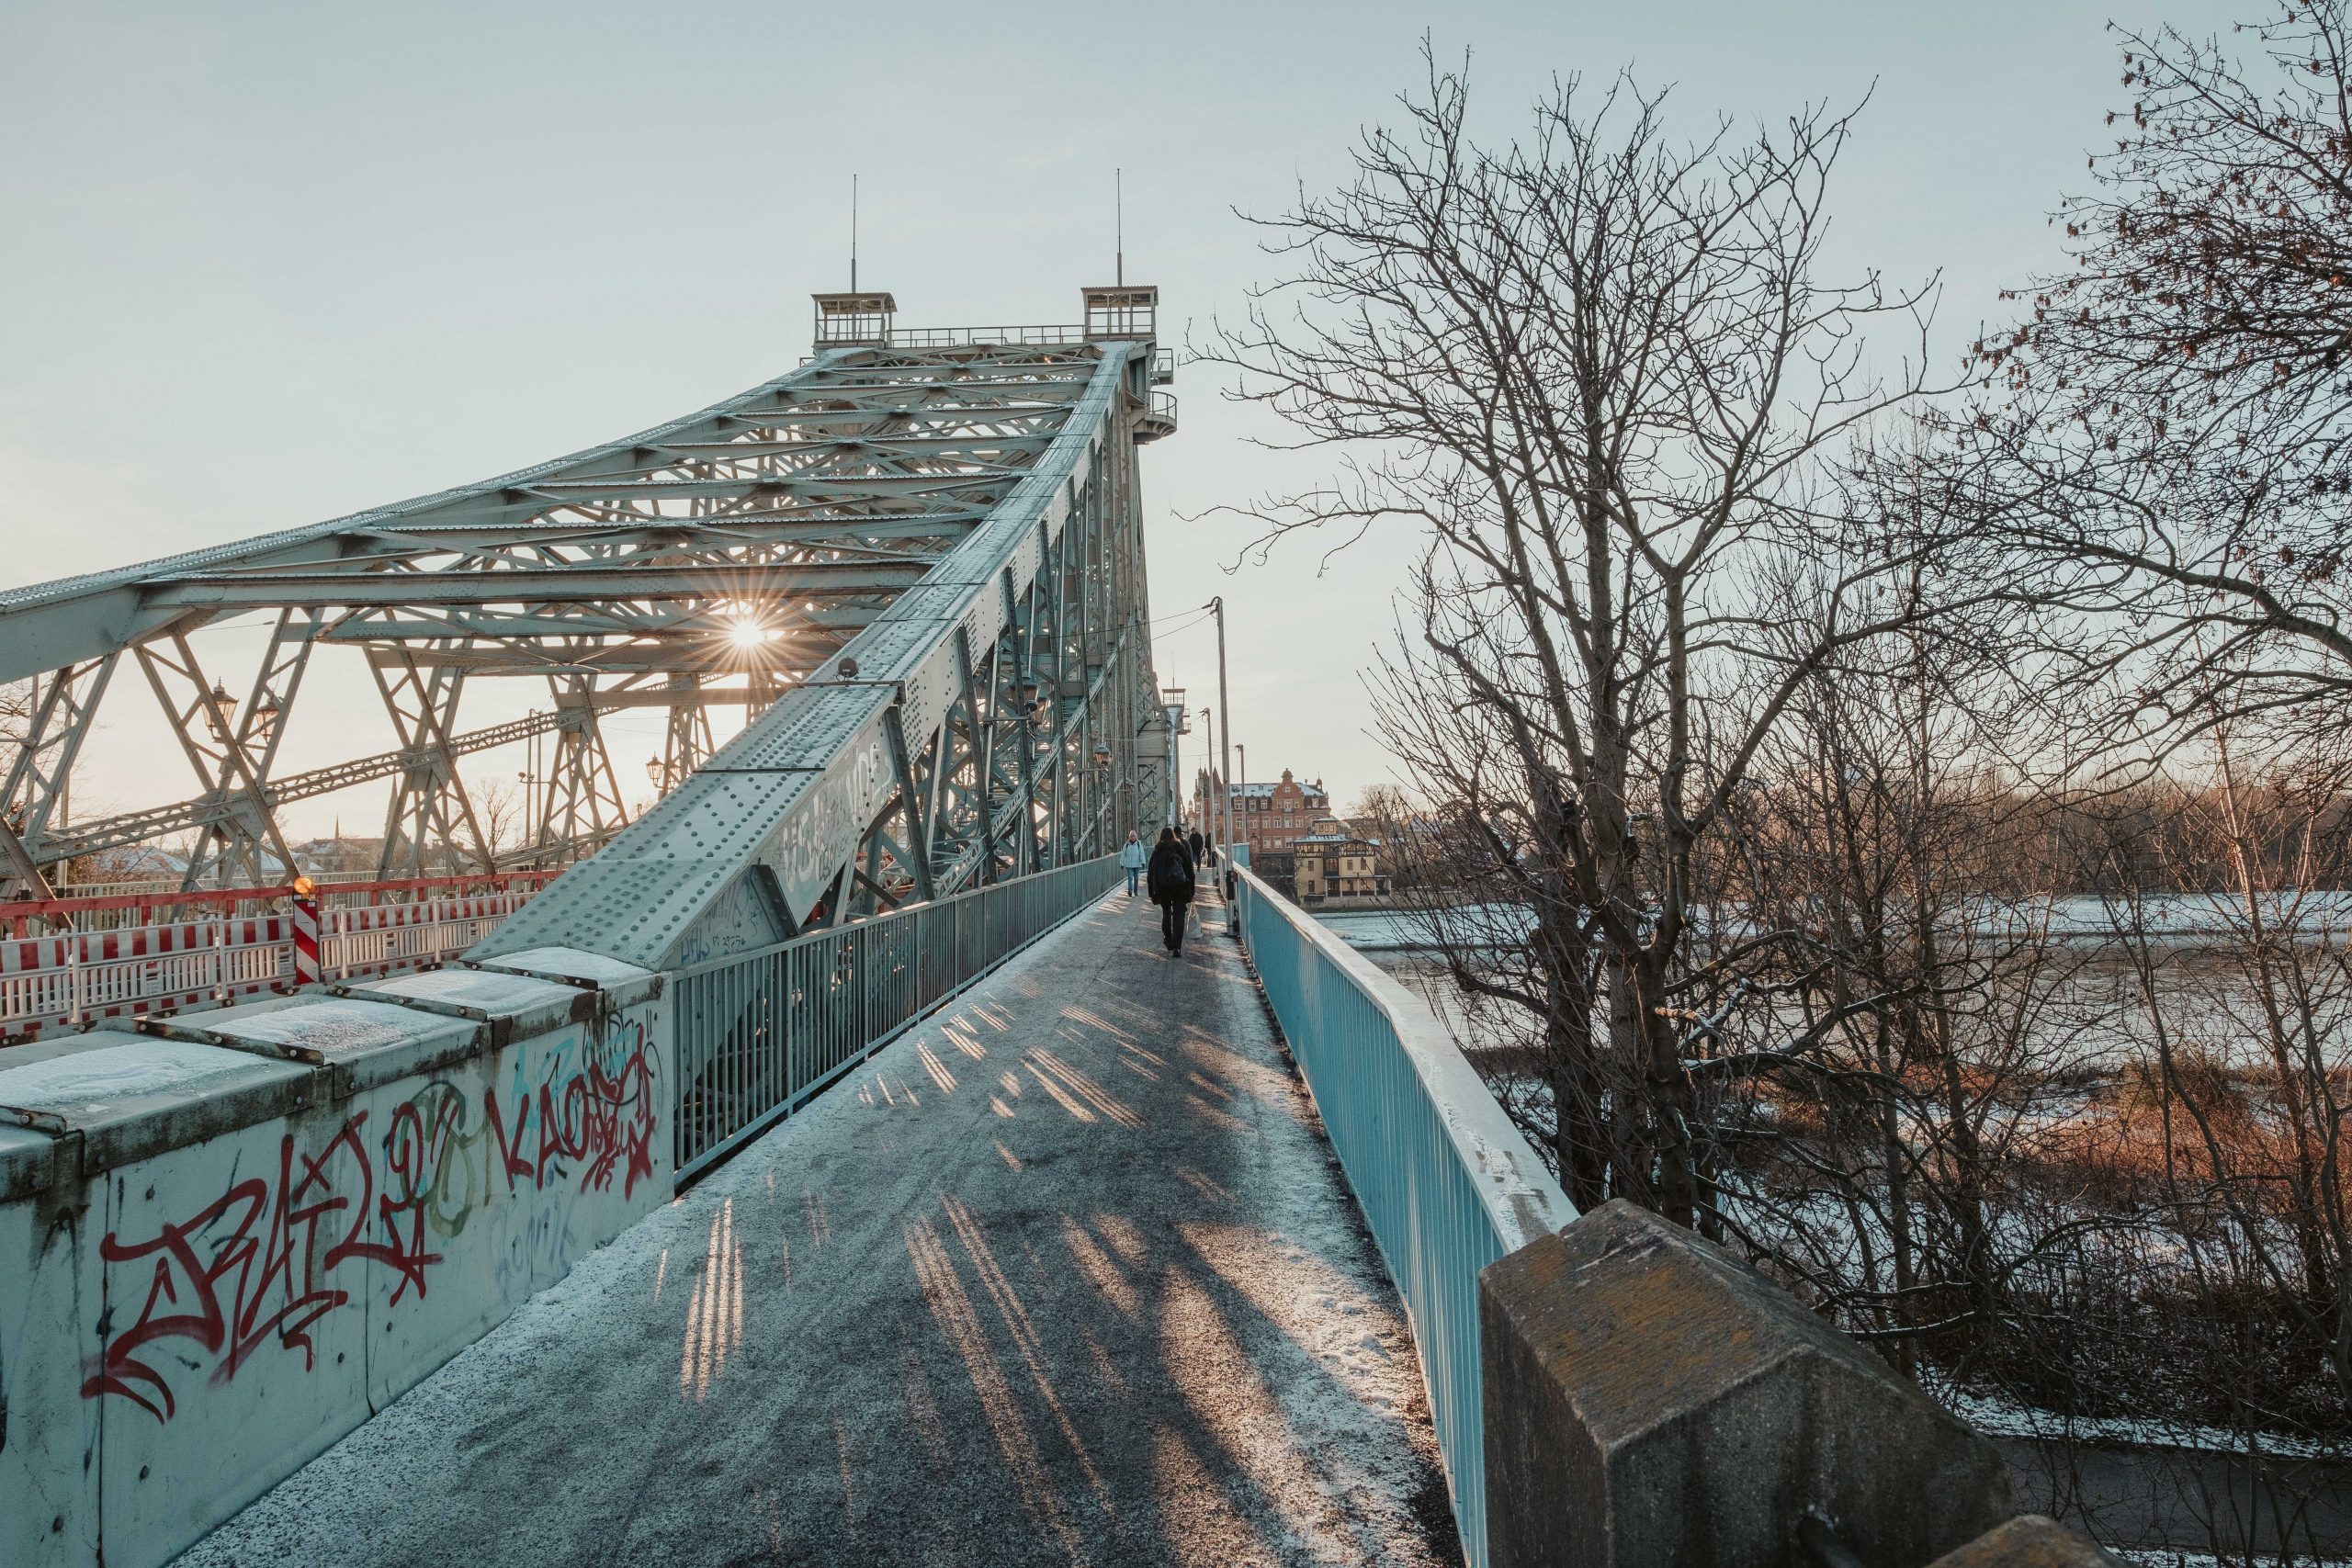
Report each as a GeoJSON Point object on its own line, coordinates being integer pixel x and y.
{"type": "Point", "coordinates": [1169, 883]}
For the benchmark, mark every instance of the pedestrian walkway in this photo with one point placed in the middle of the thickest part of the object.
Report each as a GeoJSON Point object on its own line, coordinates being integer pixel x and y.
{"type": "Point", "coordinates": [1066, 1275]}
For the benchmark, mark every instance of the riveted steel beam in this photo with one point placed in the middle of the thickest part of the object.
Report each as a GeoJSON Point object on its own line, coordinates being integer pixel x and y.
{"type": "Point", "coordinates": [859, 509]}
{"type": "Point", "coordinates": [537, 586]}
{"type": "Point", "coordinates": [916, 763]}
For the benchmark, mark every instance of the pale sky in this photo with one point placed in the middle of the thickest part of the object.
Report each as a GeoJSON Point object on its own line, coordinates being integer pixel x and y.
{"type": "Point", "coordinates": [271, 263]}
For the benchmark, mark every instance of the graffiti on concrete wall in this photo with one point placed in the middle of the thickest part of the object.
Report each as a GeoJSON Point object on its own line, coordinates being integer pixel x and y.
{"type": "Point", "coordinates": [266, 1260]}
{"type": "Point", "coordinates": [272, 1256]}
{"type": "Point", "coordinates": [602, 1119]}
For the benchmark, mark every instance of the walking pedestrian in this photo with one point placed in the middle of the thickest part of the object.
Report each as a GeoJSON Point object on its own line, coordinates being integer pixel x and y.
{"type": "Point", "coordinates": [1198, 844]}
{"type": "Point", "coordinates": [1132, 859]}
{"type": "Point", "coordinates": [1169, 882]}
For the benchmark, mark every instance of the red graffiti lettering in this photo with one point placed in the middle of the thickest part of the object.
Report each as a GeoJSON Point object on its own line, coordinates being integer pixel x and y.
{"type": "Point", "coordinates": [271, 1257]}
{"type": "Point", "coordinates": [604, 1121]}
{"type": "Point", "coordinates": [259, 1263]}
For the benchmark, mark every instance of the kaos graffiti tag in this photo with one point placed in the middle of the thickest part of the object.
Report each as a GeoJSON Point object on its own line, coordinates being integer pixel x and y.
{"type": "Point", "coordinates": [605, 1120]}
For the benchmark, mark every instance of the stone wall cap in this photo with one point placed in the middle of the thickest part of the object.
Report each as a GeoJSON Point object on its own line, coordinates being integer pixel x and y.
{"type": "Point", "coordinates": [1651, 1315]}
{"type": "Point", "coordinates": [620, 983]}
{"type": "Point", "coordinates": [362, 1043]}
{"type": "Point", "coordinates": [130, 1098]}
{"type": "Point", "coordinates": [332, 1028]}
{"type": "Point", "coordinates": [569, 962]}
{"type": "Point", "coordinates": [491, 991]}
{"type": "Point", "coordinates": [513, 1005]}
{"type": "Point", "coordinates": [1661, 1401]}
{"type": "Point", "coordinates": [2030, 1540]}
{"type": "Point", "coordinates": [85, 1079]}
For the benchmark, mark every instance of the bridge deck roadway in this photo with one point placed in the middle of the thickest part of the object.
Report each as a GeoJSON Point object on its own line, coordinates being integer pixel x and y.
{"type": "Point", "coordinates": [1068, 1275]}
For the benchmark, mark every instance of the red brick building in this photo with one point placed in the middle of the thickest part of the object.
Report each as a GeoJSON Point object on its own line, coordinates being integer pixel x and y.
{"type": "Point", "coordinates": [1270, 817]}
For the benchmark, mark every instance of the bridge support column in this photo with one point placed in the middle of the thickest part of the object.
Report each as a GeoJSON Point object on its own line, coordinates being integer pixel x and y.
{"type": "Point", "coordinates": [1650, 1399]}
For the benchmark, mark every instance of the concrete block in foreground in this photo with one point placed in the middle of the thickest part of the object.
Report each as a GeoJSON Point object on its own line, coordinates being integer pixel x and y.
{"type": "Point", "coordinates": [2030, 1540]}
{"type": "Point", "coordinates": [1651, 1400]}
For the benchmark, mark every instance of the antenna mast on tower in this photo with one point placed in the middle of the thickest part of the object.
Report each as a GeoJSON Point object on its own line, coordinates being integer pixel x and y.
{"type": "Point", "coordinates": [853, 233]}
{"type": "Point", "coordinates": [1119, 223]}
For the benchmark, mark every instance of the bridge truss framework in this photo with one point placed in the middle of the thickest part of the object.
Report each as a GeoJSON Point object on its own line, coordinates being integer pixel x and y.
{"type": "Point", "coordinates": [916, 560]}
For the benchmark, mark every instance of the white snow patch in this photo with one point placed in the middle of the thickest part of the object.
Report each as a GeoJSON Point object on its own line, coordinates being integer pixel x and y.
{"type": "Point", "coordinates": [2003, 1419]}
{"type": "Point", "coordinates": [89, 1081]}
{"type": "Point", "coordinates": [476, 988]}
{"type": "Point", "coordinates": [336, 1027]}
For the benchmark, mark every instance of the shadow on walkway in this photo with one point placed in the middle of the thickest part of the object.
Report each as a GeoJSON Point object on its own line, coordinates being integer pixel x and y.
{"type": "Point", "coordinates": [1067, 1275]}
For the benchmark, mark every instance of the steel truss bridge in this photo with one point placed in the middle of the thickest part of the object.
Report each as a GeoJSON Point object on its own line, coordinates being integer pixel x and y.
{"type": "Point", "coordinates": [916, 560]}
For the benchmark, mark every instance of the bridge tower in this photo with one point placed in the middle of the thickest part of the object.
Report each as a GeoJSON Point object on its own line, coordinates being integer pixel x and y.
{"type": "Point", "coordinates": [996, 717]}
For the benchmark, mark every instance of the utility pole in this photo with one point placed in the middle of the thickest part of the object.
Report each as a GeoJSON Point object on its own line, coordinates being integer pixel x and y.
{"type": "Point", "coordinates": [1225, 761]}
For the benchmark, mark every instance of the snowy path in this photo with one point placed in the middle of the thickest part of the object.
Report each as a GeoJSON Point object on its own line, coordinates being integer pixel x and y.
{"type": "Point", "coordinates": [1067, 1276]}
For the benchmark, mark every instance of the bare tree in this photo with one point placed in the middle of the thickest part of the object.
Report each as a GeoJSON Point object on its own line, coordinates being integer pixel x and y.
{"type": "Point", "coordinates": [1904, 1042]}
{"type": "Point", "coordinates": [503, 805]}
{"type": "Point", "coordinates": [2171, 443]}
{"type": "Point", "coordinates": [1598, 369]}
{"type": "Point", "coordinates": [1381, 807]}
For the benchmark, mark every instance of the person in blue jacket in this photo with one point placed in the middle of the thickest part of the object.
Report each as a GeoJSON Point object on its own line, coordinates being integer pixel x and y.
{"type": "Point", "coordinates": [1131, 860]}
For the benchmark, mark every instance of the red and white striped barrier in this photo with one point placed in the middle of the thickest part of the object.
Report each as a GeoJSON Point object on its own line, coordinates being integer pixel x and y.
{"type": "Point", "coordinates": [66, 981]}
{"type": "Point", "coordinates": [381, 938]}
{"type": "Point", "coordinates": [82, 977]}
{"type": "Point", "coordinates": [306, 939]}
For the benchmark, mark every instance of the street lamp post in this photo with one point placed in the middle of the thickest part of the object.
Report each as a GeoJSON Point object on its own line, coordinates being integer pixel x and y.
{"type": "Point", "coordinates": [1225, 706]}
{"type": "Point", "coordinates": [1241, 786]}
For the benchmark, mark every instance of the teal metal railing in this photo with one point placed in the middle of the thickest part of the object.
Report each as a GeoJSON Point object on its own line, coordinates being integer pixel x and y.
{"type": "Point", "coordinates": [759, 1034]}
{"type": "Point", "coordinates": [1446, 1183]}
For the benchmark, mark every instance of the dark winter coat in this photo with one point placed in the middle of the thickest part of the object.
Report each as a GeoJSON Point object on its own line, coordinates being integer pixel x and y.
{"type": "Point", "coordinates": [1196, 844]}
{"type": "Point", "coordinates": [1169, 878]}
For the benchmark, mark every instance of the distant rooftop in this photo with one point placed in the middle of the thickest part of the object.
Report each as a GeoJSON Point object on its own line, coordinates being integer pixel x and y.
{"type": "Point", "coordinates": [1264, 791]}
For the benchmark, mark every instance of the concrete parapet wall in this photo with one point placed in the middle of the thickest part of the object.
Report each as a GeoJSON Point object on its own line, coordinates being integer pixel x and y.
{"type": "Point", "coordinates": [229, 1239]}
{"type": "Point", "coordinates": [1652, 1401]}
